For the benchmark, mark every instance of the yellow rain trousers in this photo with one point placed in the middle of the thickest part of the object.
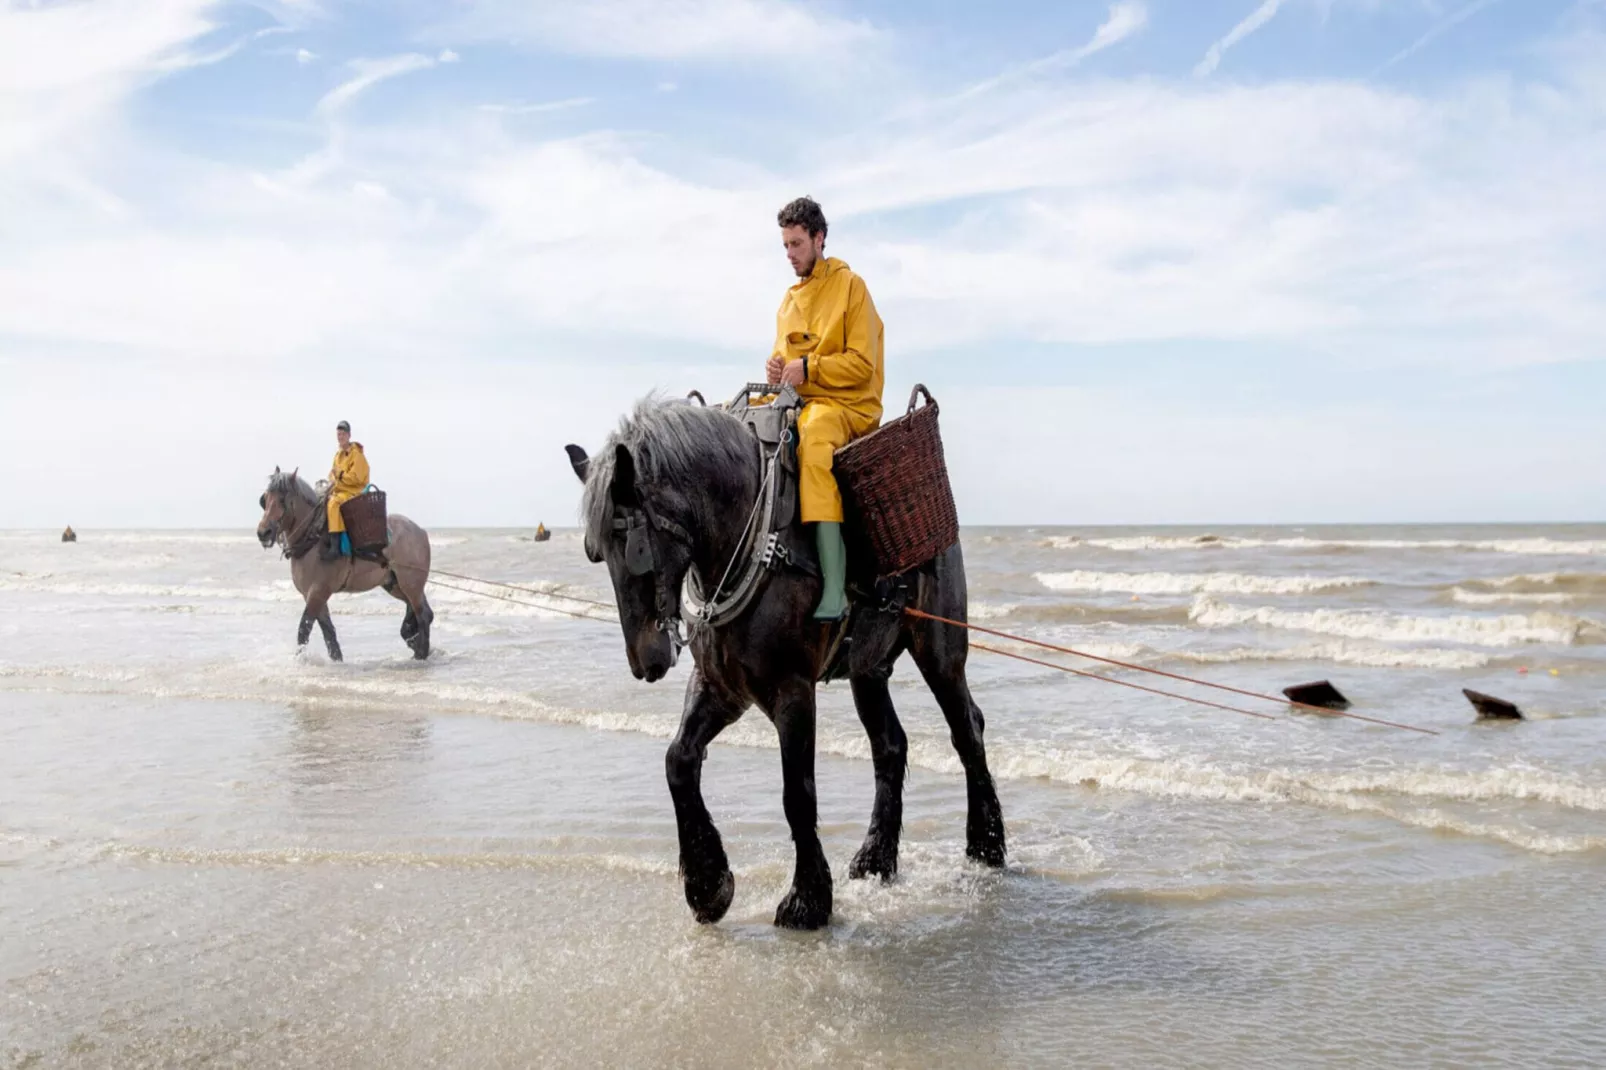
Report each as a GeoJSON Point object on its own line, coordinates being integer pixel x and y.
{"type": "Point", "coordinates": [350, 479]}
{"type": "Point", "coordinates": [829, 320]}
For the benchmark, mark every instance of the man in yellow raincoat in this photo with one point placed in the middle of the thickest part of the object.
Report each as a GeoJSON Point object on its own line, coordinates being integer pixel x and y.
{"type": "Point", "coordinates": [828, 346]}
{"type": "Point", "coordinates": [348, 477]}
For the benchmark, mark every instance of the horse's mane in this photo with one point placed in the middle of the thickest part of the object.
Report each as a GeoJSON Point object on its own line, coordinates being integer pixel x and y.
{"type": "Point", "coordinates": [673, 443]}
{"type": "Point", "coordinates": [287, 483]}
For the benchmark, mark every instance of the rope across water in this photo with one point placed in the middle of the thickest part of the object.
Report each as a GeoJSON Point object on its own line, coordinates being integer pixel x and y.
{"type": "Point", "coordinates": [922, 615]}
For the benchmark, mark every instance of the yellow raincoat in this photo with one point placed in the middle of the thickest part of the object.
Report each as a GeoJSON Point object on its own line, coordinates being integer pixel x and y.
{"type": "Point", "coordinates": [829, 320]}
{"type": "Point", "coordinates": [348, 478]}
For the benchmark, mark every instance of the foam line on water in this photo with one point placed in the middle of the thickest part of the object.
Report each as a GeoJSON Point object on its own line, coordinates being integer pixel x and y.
{"type": "Point", "coordinates": [1538, 546]}
{"type": "Point", "coordinates": [1194, 583]}
{"type": "Point", "coordinates": [1509, 630]}
{"type": "Point", "coordinates": [1162, 778]}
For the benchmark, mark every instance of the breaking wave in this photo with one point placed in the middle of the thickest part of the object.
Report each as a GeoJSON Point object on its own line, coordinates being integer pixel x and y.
{"type": "Point", "coordinates": [1360, 794]}
{"type": "Point", "coordinates": [1509, 598]}
{"type": "Point", "coordinates": [1194, 583]}
{"type": "Point", "coordinates": [1534, 546]}
{"type": "Point", "coordinates": [1344, 652]}
{"type": "Point", "coordinates": [1509, 630]}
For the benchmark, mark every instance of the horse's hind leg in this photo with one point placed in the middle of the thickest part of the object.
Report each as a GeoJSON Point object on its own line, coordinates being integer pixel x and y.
{"type": "Point", "coordinates": [940, 655]}
{"type": "Point", "coordinates": [704, 868]}
{"type": "Point", "coordinates": [415, 625]}
{"type": "Point", "coordinates": [889, 749]}
{"type": "Point", "coordinates": [422, 617]}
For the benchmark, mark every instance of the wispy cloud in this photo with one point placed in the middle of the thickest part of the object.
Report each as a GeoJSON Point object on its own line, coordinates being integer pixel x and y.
{"type": "Point", "coordinates": [304, 56]}
{"type": "Point", "coordinates": [1438, 29]}
{"type": "Point", "coordinates": [1123, 20]}
{"type": "Point", "coordinates": [65, 70]}
{"type": "Point", "coordinates": [733, 30]}
{"type": "Point", "coordinates": [1257, 18]}
{"type": "Point", "coordinates": [370, 72]}
{"type": "Point", "coordinates": [538, 108]}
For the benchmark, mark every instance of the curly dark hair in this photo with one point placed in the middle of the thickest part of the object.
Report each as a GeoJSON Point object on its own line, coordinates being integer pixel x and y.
{"type": "Point", "coordinates": [804, 212]}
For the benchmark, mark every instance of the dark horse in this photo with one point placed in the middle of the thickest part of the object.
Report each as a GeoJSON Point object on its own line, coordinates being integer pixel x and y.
{"type": "Point", "coordinates": [685, 479]}
{"type": "Point", "coordinates": [289, 518]}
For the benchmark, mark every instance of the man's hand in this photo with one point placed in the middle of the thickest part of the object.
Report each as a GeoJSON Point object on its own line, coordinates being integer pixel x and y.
{"type": "Point", "coordinates": [792, 373]}
{"type": "Point", "coordinates": [773, 368]}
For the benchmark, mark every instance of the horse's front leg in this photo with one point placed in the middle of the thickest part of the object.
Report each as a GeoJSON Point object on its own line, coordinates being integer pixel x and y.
{"type": "Point", "coordinates": [330, 640]}
{"type": "Point", "coordinates": [807, 904]}
{"type": "Point", "coordinates": [704, 868]}
{"type": "Point", "coordinates": [317, 611]}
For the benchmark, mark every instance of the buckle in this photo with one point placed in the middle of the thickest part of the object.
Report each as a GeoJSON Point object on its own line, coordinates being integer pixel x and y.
{"type": "Point", "coordinates": [774, 556]}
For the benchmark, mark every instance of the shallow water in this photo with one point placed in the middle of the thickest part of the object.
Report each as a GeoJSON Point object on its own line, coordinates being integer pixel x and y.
{"type": "Point", "coordinates": [215, 852]}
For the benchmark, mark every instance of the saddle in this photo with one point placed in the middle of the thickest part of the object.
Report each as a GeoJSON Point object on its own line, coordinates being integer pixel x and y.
{"type": "Point", "coordinates": [309, 536]}
{"type": "Point", "coordinates": [777, 541]}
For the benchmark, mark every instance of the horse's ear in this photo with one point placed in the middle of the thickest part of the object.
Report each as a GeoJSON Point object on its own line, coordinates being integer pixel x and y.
{"type": "Point", "coordinates": [275, 469]}
{"type": "Point", "coordinates": [624, 476]}
{"type": "Point", "coordinates": [296, 474]}
{"type": "Point", "coordinates": [578, 461]}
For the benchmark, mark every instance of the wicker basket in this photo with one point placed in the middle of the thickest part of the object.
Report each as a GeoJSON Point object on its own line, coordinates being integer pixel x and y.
{"type": "Point", "coordinates": [896, 481]}
{"type": "Point", "coordinates": [365, 521]}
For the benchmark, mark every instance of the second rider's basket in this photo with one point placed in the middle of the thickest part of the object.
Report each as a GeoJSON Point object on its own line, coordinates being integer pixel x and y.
{"type": "Point", "coordinates": [896, 480]}
{"type": "Point", "coordinates": [365, 520]}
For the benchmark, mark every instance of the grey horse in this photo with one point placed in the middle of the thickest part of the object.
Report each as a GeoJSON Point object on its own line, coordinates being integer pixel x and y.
{"type": "Point", "coordinates": [669, 494]}
{"type": "Point", "coordinates": [289, 513]}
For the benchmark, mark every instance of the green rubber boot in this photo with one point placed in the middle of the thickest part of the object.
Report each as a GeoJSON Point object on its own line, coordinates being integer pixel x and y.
{"type": "Point", "coordinates": [833, 571]}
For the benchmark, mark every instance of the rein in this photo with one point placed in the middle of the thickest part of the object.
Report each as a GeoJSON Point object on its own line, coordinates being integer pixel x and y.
{"type": "Point", "coordinates": [714, 611]}
{"type": "Point", "coordinates": [299, 540]}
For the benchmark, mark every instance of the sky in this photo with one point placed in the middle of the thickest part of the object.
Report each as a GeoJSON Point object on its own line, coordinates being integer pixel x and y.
{"type": "Point", "coordinates": [1160, 261]}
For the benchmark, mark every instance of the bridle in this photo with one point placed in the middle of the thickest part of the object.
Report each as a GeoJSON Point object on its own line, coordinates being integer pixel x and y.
{"type": "Point", "coordinates": [291, 534]}
{"type": "Point", "coordinates": [639, 522]}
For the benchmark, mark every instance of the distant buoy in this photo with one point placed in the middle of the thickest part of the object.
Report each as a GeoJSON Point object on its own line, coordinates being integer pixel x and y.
{"type": "Point", "coordinates": [1135, 598]}
{"type": "Point", "coordinates": [1553, 672]}
{"type": "Point", "coordinates": [1522, 670]}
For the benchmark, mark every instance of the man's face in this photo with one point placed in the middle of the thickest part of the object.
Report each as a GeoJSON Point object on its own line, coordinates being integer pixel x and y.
{"type": "Point", "coordinates": [803, 249]}
{"type": "Point", "coordinates": [344, 438]}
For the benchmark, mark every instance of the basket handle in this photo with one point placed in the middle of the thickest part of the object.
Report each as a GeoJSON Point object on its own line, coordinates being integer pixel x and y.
{"type": "Point", "coordinates": [920, 388]}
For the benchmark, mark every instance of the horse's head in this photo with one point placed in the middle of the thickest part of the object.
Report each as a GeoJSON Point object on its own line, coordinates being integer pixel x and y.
{"type": "Point", "coordinates": [275, 508]}
{"type": "Point", "coordinates": [632, 525]}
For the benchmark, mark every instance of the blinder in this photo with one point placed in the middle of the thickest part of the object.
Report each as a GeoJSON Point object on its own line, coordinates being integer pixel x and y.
{"type": "Point", "coordinates": [641, 557]}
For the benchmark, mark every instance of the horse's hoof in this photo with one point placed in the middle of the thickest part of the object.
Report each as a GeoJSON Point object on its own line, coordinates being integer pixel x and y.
{"type": "Point", "coordinates": [708, 905]}
{"type": "Point", "coordinates": [805, 912]}
{"type": "Point", "coordinates": [988, 853]}
{"type": "Point", "coordinates": [875, 859]}
{"type": "Point", "coordinates": [420, 652]}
